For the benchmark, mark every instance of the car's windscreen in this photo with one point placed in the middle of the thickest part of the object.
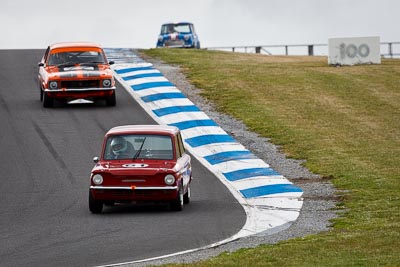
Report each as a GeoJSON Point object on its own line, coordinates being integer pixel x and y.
{"type": "Point", "coordinates": [76, 57]}
{"type": "Point", "coordinates": [157, 147]}
{"type": "Point", "coordinates": [175, 28]}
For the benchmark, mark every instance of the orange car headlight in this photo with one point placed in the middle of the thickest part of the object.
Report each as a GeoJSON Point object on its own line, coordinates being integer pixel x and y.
{"type": "Point", "coordinates": [53, 85]}
{"type": "Point", "coordinates": [106, 83]}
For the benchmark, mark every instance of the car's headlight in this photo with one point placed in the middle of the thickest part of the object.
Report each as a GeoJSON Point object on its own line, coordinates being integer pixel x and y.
{"type": "Point", "coordinates": [53, 85]}
{"type": "Point", "coordinates": [97, 179]}
{"type": "Point", "coordinates": [169, 179]}
{"type": "Point", "coordinates": [187, 37]}
{"type": "Point", "coordinates": [106, 83]}
{"type": "Point", "coordinates": [160, 38]}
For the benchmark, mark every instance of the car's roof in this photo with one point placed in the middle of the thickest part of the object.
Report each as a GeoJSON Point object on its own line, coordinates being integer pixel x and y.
{"type": "Point", "coordinates": [179, 22]}
{"type": "Point", "coordinates": [126, 129]}
{"type": "Point", "coordinates": [74, 44]}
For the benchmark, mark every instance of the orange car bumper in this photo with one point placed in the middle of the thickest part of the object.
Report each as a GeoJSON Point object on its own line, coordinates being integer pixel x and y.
{"type": "Point", "coordinates": [80, 93]}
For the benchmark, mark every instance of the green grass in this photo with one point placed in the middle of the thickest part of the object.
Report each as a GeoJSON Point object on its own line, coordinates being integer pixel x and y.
{"type": "Point", "coordinates": [345, 122]}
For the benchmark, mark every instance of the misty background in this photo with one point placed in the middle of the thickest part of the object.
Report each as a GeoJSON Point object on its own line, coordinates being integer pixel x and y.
{"type": "Point", "coordinates": [136, 24]}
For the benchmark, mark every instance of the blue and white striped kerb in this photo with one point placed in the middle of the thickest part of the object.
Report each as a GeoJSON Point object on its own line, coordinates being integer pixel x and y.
{"type": "Point", "coordinates": [269, 199]}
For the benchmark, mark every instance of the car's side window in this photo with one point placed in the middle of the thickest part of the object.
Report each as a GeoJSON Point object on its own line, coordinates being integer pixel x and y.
{"type": "Point", "coordinates": [177, 147]}
{"type": "Point", "coordinates": [46, 54]}
{"type": "Point", "coordinates": [181, 146]}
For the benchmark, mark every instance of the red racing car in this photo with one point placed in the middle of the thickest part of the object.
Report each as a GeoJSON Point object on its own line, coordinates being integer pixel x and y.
{"type": "Point", "coordinates": [141, 163]}
{"type": "Point", "coordinates": [70, 71]}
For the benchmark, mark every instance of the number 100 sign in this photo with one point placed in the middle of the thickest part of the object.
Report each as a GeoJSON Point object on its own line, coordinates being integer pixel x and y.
{"type": "Point", "coordinates": [352, 51]}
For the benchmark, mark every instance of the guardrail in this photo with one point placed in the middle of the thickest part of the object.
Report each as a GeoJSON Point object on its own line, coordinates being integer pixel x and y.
{"type": "Point", "coordinates": [388, 49]}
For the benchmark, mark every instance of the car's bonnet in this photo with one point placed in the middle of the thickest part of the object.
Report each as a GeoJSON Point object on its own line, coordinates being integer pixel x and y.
{"type": "Point", "coordinates": [125, 167]}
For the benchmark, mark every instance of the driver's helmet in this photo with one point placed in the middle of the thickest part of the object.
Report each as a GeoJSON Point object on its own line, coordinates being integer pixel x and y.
{"type": "Point", "coordinates": [119, 145]}
{"type": "Point", "coordinates": [62, 57]}
{"type": "Point", "coordinates": [171, 28]}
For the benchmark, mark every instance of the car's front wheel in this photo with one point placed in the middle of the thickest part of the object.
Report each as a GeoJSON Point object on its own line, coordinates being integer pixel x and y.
{"type": "Point", "coordinates": [111, 100]}
{"type": "Point", "coordinates": [94, 205]}
{"type": "Point", "coordinates": [186, 197]}
{"type": "Point", "coordinates": [177, 203]}
{"type": "Point", "coordinates": [48, 101]}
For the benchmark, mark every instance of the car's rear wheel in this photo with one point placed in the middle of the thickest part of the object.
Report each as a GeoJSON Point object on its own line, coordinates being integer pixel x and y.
{"type": "Point", "coordinates": [94, 205]}
{"type": "Point", "coordinates": [186, 197]}
{"type": "Point", "coordinates": [48, 101]}
{"type": "Point", "coordinates": [111, 100]}
{"type": "Point", "coordinates": [177, 203]}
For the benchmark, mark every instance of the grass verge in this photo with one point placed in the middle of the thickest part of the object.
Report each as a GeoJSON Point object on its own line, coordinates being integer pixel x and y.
{"type": "Point", "coordinates": [345, 122]}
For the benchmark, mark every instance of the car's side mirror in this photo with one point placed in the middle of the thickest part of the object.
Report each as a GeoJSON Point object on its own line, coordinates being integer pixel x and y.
{"type": "Point", "coordinates": [111, 62]}
{"type": "Point", "coordinates": [96, 159]}
{"type": "Point", "coordinates": [41, 64]}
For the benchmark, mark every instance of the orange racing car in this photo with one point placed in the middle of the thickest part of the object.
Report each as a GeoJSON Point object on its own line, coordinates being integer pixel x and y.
{"type": "Point", "coordinates": [70, 71]}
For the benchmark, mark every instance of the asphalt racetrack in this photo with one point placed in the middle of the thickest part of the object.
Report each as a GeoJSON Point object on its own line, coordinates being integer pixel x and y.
{"type": "Point", "coordinates": [45, 162]}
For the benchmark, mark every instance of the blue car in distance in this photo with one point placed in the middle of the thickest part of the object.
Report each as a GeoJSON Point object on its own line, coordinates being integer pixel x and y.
{"type": "Point", "coordinates": [181, 34]}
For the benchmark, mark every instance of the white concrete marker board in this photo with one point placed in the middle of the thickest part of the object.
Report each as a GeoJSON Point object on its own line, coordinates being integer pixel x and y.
{"type": "Point", "coordinates": [353, 51]}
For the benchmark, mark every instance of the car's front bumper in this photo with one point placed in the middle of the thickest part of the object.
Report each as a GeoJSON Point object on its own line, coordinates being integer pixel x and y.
{"type": "Point", "coordinates": [134, 187]}
{"type": "Point", "coordinates": [80, 92]}
{"type": "Point", "coordinates": [134, 193]}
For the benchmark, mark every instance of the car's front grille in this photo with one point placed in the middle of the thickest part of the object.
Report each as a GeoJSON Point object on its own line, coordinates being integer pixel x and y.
{"type": "Point", "coordinates": [174, 43]}
{"type": "Point", "coordinates": [80, 84]}
{"type": "Point", "coordinates": [121, 193]}
{"type": "Point", "coordinates": [118, 193]}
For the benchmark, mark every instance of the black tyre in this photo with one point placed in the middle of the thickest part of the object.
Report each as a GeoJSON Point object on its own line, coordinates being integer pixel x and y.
{"type": "Point", "coordinates": [111, 100]}
{"type": "Point", "coordinates": [95, 206]}
{"type": "Point", "coordinates": [177, 204]}
{"type": "Point", "coordinates": [186, 197]}
{"type": "Point", "coordinates": [48, 102]}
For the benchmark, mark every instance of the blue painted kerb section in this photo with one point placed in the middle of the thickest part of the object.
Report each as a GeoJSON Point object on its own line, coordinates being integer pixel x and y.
{"type": "Point", "coordinates": [143, 86]}
{"type": "Point", "coordinates": [229, 155]}
{"type": "Point", "coordinates": [193, 123]}
{"type": "Point", "coordinates": [247, 173]}
{"type": "Point", "coordinates": [209, 139]}
{"type": "Point", "coordinates": [177, 109]}
{"type": "Point", "coordinates": [269, 190]}
{"type": "Point", "coordinates": [123, 71]}
{"type": "Point", "coordinates": [162, 96]}
{"type": "Point", "coordinates": [144, 75]}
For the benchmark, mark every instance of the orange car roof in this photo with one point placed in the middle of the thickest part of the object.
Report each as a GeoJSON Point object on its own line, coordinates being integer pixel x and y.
{"type": "Point", "coordinates": [68, 47]}
{"type": "Point", "coordinates": [74, 44]}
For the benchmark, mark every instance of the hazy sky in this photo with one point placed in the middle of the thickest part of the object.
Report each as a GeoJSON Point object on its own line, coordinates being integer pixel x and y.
{"type": "Point", "coordinates": [132, 23]}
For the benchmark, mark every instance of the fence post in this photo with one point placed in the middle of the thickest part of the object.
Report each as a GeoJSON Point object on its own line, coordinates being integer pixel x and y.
{"type": "Point", "coordinates": [258, 49]}
{"type": "Point", "coordinates": [390, 50]}
{"type": "Point", "coordinates": [286, 50]}
{"type": "Point", "coordinates": [311, 50]}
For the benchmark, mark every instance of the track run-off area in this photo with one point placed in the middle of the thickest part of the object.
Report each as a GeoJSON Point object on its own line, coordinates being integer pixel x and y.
{"type": "Point", "coordinates": [47, 158]}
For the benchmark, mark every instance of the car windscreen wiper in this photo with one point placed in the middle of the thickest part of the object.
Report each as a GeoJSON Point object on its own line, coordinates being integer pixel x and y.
{"type": "Point", "coordinates": [92, 62]}
{"type": "Point", "coordinates": [140, 150]}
